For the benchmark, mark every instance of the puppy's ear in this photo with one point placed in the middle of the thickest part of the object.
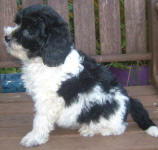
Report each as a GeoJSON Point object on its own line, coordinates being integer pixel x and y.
{"type": "Point", "coordinates": [18, 17]}
{"type": "Point", "coordinates": [58, 43]}
{"type": "Point", "coordinates": [26, 12]}
{"type": "Point", "coordinates": [55, 50]}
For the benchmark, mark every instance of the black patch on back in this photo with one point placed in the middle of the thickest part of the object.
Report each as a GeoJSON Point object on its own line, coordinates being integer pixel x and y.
{"type": "Point", "coordinates": [96, 111]}
{"type": "Point", "coordinates": [75, 85]}
{"type": "Point", "coordinates": [92, 75]}
{"type": "Point", "coordinates": [100, 73]}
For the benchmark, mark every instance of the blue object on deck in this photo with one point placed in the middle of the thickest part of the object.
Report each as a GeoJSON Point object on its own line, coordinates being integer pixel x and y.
{"type": "Point", "coordinates": [12, 83]}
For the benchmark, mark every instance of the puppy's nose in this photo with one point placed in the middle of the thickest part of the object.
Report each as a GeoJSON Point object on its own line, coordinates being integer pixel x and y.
{"type": "Point", "coordinates": [7, 38]}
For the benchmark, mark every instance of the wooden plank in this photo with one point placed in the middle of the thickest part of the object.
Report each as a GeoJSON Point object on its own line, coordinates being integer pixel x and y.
{"type": "Point", "coordinates": [153, 112]}
{"type": "Point", "coordinates": [14, 131]}
{"type": "Point", "coordinates": [110, 34]}
{"type": "Point", "coordinates": [148, 101]}
{"type": "Point", "coordinates": [14, 126]}
{"type": "Point", "coordinates": [123, 57]}
{"type": "Point", "coordinates": [15, 108]}
{"type": "Point", "coordinates": [25, 119]}
{"type": "Point", "coordinates": [84, 23]}
{"type": "Point", "coordinates": [141, 90]}
{"type": "Point", "coordinates": [10, 63]}
{"type": "Point", "coordinates": [0, 84]}
{"type": "Point", "coordinates": [61, 6]}
{"type": "Point", "coordinates": [150, 39]}
{"type": "Point", "coordinates": [128, 141]}
{"type": "Point", "coordinates": [23, 98]}
{"type": "Point", "coordinates": [15, 120]}
{"type": "Point", "coordinates": [14, 98]}
{"type": "Point", "coordinates": [153, 34]}
{"type": "Point", "coordinates": [27, 108]}
{"type": "Point", "coordinates": [7, 10]}
{"type": "Point", "coordinates": [21, 131]}
{"type": "Point", "coordinates": [135, 21]}
{"type": "Point", "coordinates": [26, 3]}
{"type": "Point", "coordinates": [156, 80]}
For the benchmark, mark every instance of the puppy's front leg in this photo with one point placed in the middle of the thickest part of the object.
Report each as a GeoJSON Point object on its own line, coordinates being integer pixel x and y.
{"type": "Point", "coordinates": [40, 132]}
{"type": "Point", "coordinates": [43, 123]}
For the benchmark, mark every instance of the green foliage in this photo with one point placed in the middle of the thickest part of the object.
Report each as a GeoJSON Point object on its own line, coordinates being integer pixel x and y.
{"type": "Point", "coordinates": [19, 4]}
{"type": "Point", "coordinates": [45, 2]}
{"type": "Point", "coordinates": [127, 65]}
{"type": "Point", "coordinates": [96, 11]}
{"type": "Point", "coordinates": [9, 70]}
{"type": "Point", "coordinates": [71, 18]}
{"type": "Point", "coordinates": [123, 31]}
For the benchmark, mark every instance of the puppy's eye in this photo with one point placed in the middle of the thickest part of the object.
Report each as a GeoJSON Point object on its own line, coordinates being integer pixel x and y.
{"type": "Point", "coordinates": [29, 33]}
{"type": "Point", "coordinates": [26, 33]}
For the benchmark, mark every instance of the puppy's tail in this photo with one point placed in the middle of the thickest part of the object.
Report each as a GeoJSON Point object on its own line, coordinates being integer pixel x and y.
{"type": "Point", "coordinates": [141, 117]}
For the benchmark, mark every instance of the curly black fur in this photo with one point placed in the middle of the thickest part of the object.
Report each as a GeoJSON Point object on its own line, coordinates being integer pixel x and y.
{"type": "Point", "coordinates": [44, 33]}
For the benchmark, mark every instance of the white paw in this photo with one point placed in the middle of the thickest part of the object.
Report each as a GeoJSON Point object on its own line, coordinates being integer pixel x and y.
{"type": "Point", "coordinates": [106, 132]}
{"type": "Point", "coordinates": [86, 132]}
{"type": "Point", "coordinates": [33, 139]}
{"type": "Point", "coordinates": [153, 131]}
{"type": "Point", "coordinates": [111, 131]}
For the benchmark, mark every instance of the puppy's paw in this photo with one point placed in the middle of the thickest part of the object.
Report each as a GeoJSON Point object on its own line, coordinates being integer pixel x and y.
{"type": "Point", "coordinates": [86, 132]}
{"type": "Point", "coordinates": [33, 139]}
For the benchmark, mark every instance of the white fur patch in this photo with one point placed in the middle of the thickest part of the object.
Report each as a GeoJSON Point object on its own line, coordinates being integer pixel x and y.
{"type": "Point", "coordinates": [13, 47]}
{"type": "Point", "coordinates": [112, 126]}
{"type": "Point", "coordinates": [153, 131]}
{"type": "Point", "coordinates": [17, 50]}
{"type": "Point", "coordinates": [73, 62]}
{"type": "Point", "coordinates": [68, 117]}
{"type": "Point", "coordinates": [115, 124]}
{"type": "Point", "coordinates": [8, 30]}
{"type": "Point", "coordinates": [42, 83]}
{"type": "Point", "coordinates": [103, 127]}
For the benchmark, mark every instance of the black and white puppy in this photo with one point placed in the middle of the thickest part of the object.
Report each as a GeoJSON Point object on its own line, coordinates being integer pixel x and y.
{"type": "Point", "coordinates": [68, 88]}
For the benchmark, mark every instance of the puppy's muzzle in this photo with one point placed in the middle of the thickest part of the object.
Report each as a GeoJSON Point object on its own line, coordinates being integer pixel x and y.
{"type": "Point", "coordinates": [7, 39]}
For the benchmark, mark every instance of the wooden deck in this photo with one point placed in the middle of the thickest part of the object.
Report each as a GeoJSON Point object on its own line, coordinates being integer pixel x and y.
{"type": "Point", "coordinates": [16, 114]}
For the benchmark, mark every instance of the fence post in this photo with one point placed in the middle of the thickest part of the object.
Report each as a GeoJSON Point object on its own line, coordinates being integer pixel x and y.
{"type": "Point", "coordinates": [153, 37]}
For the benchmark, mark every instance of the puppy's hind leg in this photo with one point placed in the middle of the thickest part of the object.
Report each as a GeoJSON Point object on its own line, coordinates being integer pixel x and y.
{"type": "Point", "coordinates": [87, 130]}
{"type": "Point", "coordinates": [103, 127]}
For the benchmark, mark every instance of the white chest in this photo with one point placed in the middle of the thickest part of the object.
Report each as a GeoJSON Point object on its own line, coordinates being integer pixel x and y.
{"type": "Point", "coordinates": [40, 78]}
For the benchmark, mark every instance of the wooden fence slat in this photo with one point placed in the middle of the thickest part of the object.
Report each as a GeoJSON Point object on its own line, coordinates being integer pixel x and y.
{"type": "Point", "coordinates": [26, 3]}
{"type": "Point", "coordinates": [84, 22]}
{"type": "Point", "coordinates": [135, 21]}
{"type": "Point", "coordinates": [123, 57]}
{"type": "Point", "coordinates": [110, 32]}
{"type": "Point", "coordinates": [153, 37]}
{"type": "Point", "coordinates": [61, 6]}
{"type": "Point", "coordinates": [7, 12]}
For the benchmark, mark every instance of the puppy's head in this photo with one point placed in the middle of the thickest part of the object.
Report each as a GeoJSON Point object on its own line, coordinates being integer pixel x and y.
{"type": "Point", "coordinates": [39, 32]}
